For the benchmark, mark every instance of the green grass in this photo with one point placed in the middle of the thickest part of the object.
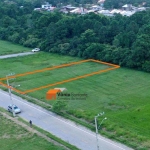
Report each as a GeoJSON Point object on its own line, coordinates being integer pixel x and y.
{"type": "Point", "coordinates": [10, 48]}
{"type": "Point", "coordinates": [56, 75]}
{"type": "Point", "coordinates": [123, 95]}
{"type": "Point", "coordinates": [13, 136]}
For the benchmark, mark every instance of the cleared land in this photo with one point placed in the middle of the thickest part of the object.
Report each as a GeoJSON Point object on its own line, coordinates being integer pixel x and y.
{"type": "Point", "coordinates": [123, 94]}
{"type": "Point", "coordinates": [10, 48]}
{"type": "Point", "coordinates": [58, 75]}
{"type": "Point", "coordinates": [13, 136]}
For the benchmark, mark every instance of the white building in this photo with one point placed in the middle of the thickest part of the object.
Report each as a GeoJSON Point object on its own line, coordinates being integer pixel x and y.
{"type": "Point", "coordinates": [46, 6]}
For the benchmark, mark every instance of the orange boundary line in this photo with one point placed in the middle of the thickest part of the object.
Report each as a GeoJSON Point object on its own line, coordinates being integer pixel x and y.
{"type": "Point", "coordinates": [14, 89]}
{"type": "Point", "coordinates": [45, 69]}
{"type": "Point", "coordinates": [64, 81]}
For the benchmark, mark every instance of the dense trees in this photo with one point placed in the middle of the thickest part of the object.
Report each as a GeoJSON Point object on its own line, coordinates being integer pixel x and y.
{"type": "Point", "coordinates": [120, 40]}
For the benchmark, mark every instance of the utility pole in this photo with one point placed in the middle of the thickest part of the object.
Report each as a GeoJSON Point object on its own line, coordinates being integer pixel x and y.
{"type": "Point", "coordinates": [9, 90]}
{"type": "Point", "coordinates": [96, 132]}
{"type": "Point", "coordinates": [100, 114]}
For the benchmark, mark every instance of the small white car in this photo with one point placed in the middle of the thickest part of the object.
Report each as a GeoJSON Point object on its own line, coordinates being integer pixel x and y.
{"type": "Point", "coordinates": [35, 50]}
{"type": "Point", "coordinates": [16, 109]}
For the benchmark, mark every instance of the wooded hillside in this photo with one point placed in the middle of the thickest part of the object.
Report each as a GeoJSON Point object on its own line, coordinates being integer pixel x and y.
{"type": "Point", "coordinates": [120, 40]}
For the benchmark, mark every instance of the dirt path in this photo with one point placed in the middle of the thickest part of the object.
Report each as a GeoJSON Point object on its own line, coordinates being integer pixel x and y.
{"type": "Point", "coordinates": [15, 120]}
{"type": "Point", "coordinates": [15, 55]}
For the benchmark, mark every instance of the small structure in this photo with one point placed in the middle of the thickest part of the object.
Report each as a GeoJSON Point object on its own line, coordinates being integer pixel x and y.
{"type": "Point", "coordinates": [52, 93]}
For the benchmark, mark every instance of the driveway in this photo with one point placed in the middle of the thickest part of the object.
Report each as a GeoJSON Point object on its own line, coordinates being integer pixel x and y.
{"type": "Point", "coordinates": [16, 55]}
{"type": "Point", "coordinates": [65, 129]}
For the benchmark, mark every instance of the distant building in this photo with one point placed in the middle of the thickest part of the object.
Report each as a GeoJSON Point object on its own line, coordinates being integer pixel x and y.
{"type": "Point", "coordinates": [127, 7]}
{"type": "Point", "coordinates": [46, 6]}
{"type": "Point", "coordinates": [127, 13]}
{"type": "Point", "coordinates": [80, 10]}
{"type": "Point", "coordinates": [68, 8]}
{"type": "Point", "coordinates": [106, 13]}
{"type": "Point", "coordinates": [96, 8]}
{"type": "Point", "coordinates": [101, 2]}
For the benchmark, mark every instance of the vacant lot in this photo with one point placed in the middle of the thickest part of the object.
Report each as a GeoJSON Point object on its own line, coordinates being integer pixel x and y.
{"type": "Point", "coordinates": [10, 48]}
{"type": "Point", "coordinates": [53, 76]}
{"type": "Point", "coordinates": [123, 94]}
{"type": "Point", "coordinates": [13, 136]}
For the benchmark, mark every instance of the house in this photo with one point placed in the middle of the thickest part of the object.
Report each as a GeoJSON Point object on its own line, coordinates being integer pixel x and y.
{"type": "Point", "coordinates": [67, 9]}
{"type": "Point", "coordinates": [96, 8]}
{"type": "Point", "coordinates": [46, 6]}
{"type": "Point", "coordinates": [101, 2]}
{"type": "Point", "coordinates": [127, 7]}
{"type": "Point", "coordinates": [80, 10]}
{"type": "Point", "coordinates": [127, 13]}
{"type": "Point", "coordinates": [105, 12]}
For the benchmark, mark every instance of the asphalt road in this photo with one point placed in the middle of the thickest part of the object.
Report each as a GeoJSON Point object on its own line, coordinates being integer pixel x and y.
{"type": "Point", "coordinates": [16, 55]}
{"type": "Point", "coordinates": [65, 129]}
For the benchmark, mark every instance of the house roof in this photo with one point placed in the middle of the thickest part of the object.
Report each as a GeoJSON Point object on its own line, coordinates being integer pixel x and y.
{"type": "Point", "coordinates": [127, 5]}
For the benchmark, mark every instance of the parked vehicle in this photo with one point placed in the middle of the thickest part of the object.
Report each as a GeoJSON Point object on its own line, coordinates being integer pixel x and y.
{"type": "Point", "coordinates": [35, 50]}
{"type": "Point", "coordinates": [16, 109]}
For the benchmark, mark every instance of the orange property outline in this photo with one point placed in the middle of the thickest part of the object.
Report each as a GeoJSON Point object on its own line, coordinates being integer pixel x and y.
{"type": "Point", "coordinates": [61, 82]}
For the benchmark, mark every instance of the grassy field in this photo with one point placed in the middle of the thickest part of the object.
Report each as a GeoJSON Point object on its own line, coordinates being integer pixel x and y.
{"type": "Point", "coordinates": [13, 136]}
{"type": "Point", "coordinates": [57, 75]}
{"type": "Point", "coordinates": [10, 48]}
{"type": "Point", "coordinates": [123, 94]}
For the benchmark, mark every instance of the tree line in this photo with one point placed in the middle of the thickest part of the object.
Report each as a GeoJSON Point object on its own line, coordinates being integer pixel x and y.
{"type": "Point", "coordinates": [119, 39]}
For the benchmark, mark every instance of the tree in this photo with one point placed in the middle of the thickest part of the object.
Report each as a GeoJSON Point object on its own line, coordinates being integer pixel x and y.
{"type": "Point", "coordinates": [92, 50]}
{"type": "Point", "coordinates": [141, 50]}
{"type": "Point", "coordinates": [59, 106]}
{"type": "Point", "coordinates": [146, 66]}
{"type": "Point", "coordinates": [88, 36]}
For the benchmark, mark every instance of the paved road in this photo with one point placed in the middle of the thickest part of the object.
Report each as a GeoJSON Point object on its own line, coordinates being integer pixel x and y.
{"type": "Point", "coordinates": [16, 55]}
{"type": "Point", "coordinates": [62, 128]}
